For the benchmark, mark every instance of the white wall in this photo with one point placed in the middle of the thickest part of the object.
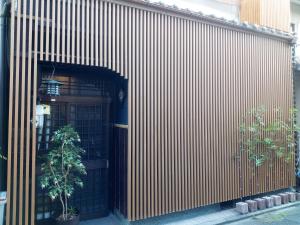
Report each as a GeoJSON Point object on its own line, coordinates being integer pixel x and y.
{"type": "Point", "coordinates": [210, 7]}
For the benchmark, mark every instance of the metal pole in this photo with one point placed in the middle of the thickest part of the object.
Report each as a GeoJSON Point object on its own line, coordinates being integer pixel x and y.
{"type": "Point", "coordinates": [3, 90]}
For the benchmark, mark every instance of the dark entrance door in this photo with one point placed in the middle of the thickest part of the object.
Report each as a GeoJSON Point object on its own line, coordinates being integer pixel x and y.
{"type": "Point", "coordinates": [90, 116]}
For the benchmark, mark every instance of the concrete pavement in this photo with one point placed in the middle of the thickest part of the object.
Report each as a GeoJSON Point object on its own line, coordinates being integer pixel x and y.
{"type": "Point", "coordinates": [285, 216]}
{"type": "Point", "coordinates": [288, 214]}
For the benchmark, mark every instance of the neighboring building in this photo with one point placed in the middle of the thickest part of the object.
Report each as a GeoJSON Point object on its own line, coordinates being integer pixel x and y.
{"type": "Point", "coordinates": [269, 13]}
{"type": "Point", "coordinates": [295, 28]}
{"type": "Point", "coordinates": [157, 95]}
{"type": "Point", "coordinates": [228, 9]}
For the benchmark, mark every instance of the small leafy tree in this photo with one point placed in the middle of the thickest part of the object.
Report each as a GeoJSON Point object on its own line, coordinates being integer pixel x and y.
{"type": "Point", "coordinates": [264, 140]}
{"type": "Point", "coordinates": [63, 167]}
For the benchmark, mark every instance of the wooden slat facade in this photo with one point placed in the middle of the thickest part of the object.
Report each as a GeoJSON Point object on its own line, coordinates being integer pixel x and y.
{"type": "Point", "coordinates": [191, 79]}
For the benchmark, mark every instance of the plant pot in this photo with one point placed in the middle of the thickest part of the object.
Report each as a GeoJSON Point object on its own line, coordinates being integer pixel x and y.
{"type": "Point", "coordinates": [2, 206]}
{"type": "Point", "coordinates": [73, 221]}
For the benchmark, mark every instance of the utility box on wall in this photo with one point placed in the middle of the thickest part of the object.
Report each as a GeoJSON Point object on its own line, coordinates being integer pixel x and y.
{"type": "Point", "coordinates": [269, 13]}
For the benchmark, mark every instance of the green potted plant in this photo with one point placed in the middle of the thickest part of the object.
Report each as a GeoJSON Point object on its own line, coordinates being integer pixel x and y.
{"type": "Point", "coordinates": [62, 170]}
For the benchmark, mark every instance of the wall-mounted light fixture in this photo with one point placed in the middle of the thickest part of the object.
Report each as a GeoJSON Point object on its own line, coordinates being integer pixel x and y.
{"type": "Point", "coordinates": [121, 95]}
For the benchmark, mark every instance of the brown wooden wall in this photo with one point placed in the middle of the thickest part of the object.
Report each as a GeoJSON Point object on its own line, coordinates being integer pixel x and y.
{"type": "Point", "coordinates": [270, 13]}
{"type": "Point", "coordinates": [191, 79]}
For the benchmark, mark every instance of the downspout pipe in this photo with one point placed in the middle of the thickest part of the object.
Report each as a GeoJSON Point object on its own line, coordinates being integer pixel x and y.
{"type": "Point", "coordinates": [4, 16]}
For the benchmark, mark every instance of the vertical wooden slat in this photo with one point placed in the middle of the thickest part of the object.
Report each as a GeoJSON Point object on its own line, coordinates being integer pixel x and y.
{"type": "Point", "coordinates": [33, 133]}
{"type": "Point", "coordinates": [175, 102]}
{"type": "Point", "coordinates": [29, 111]}
{"type": "Point", "coordinates": [47, 30]}
{"type": "Point", "coordinates": [126, 35]}
{"type": "Point", "coordinates": [63, 32]}
{"type": "Point", "coordinates": [198, 121]}
{"type": "Point", "coordinates": [130, 185]}
{"type": "Point", "coordinates": [147, 113]}
{"type": "Point", "coordinates": [180, 158]}
{"type": "Point", "coordinates": [137, 113]}
{"type": "Point", "coordinates": [158, 116]}
{"type": "Point", "coordinates": [58, 31]}
{"type": "Point", "coordinates": [22, 113]}
{"type": "Point", "coordinates": [101, 33]}
{"type": "Point", "coordinates": [155, 117]}
{"type": "Point", "coordinates": [184, 117]}
{"type": "Point", "coordinates": [83, 32]}
{"type": "Point", "coordinates": [113, 37]}
{"type": "Point", "coordinates": [69, 38]}
{"type": "Point", "coordinates": [16, 114]}
{"type": "Point", "coordinates": [42, 11]}
{"type": "Point", "coordinates": [143, 70]}
{"type": "Point", "coordinates": [92, 33]}
{"type": "Point", "coordinates": [117, 38]}
{"type": "Point", "coordinates": [167, 154]}
{"type": "Point", "coordinates": [194, 121]}
{"type": "Point", "coordinates": [122, 41]}
{"type": "Point", "coordinates": [74, 36]}
{"type": "Point", "coordinates": [108, 35]}
{"type": "Point", "coordinates": [105, 37]}
{"type": "Point", "coordinates": [151, 87]}
{"type": "Point", "coordinates": [78, 34]}
{"type": "Point", "coordinates": [87, 33]}
{"type": "Point", "coordinates": [97, 33]}
{"type": "Point", "coordinates": [10, 182]}
{"type": "Point", "coordinates": [53, 25]}
{"type": "Point", "coordinates": [135, 195]}
{"type": "Point", "coordinates": [171, 149]}
{"type": "Point", "coordinates": [204, 110]}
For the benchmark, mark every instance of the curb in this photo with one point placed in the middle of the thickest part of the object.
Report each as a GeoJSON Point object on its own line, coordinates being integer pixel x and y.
{"type": "Point", "coordinates": [249, 215]}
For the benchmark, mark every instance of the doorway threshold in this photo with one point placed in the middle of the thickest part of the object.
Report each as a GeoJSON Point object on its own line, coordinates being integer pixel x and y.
{"type": "Point", "coordinates": [109, 220]}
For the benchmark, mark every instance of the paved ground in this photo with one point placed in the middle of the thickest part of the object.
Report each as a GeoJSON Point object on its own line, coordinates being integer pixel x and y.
{"type": "Point", "coordinates": [287, 216]}
{"type": "Point", "coordinates": [110, 220]}
{"type": "Point", "coordinates": [283, 215]}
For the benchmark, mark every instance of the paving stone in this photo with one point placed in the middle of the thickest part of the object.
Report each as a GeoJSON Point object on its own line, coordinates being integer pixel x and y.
{"type": "Point", "coordinates": [292, 196]}
{"type": "Point", "coordinates": [241, 207]}
{"type": "Point", "coordinates": [252, 205]}
{"type": "Point", "coordinates": [284, 198]}
{"type": "Point", "coordinates": [276, 200]}
{"type": "Point", "coordinates": [298, 196]}
{"type": "Point", "coordinates": [261, 203]}
{"type": "Point", "coordinates": [269, 202]}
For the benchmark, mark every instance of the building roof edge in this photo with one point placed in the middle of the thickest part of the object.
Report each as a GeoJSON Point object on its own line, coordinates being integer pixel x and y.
{"type": "Point", "coordinates": [234, 24]}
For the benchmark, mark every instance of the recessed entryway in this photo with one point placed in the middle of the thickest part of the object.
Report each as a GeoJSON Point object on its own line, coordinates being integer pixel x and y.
{"type": "Point", "coordinates": [89, 101]}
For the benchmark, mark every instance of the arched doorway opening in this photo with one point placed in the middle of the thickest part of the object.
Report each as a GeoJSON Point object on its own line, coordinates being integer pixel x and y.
{"type": "Point", "coordinates": [94, 102]}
